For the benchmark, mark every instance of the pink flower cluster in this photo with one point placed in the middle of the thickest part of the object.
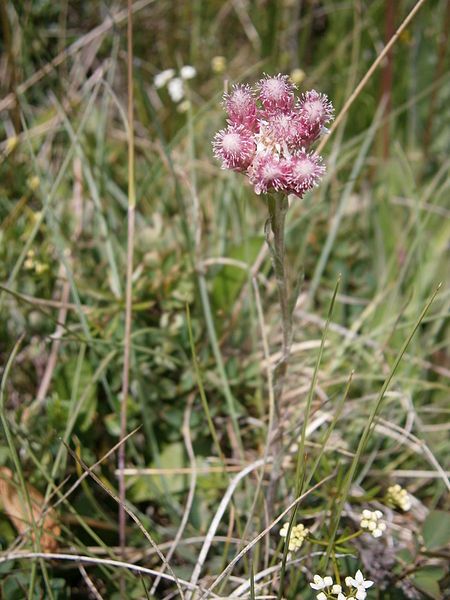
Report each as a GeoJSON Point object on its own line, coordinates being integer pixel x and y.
{"type": "Point", "coordinates": [269, 134]}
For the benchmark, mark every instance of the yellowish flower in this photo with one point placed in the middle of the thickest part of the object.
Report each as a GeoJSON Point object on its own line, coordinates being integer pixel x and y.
{"type": "Point", "coordinates": [11, 143]}
{"type": "Point", "coordinates": [30, 260]}
{"type": "Point", "coordinates": [297, 76]}
{"type": "Point", "coordinates": [298, 535]}
{"type": "Point", "coordinates": [398, 496]}
{"type": "Point", "coordinates": [218, 64]}
{"type": "Point", "coordinates": [184, 106]}
{"type": "Point", "coordinates": [33, 183]}
{"type": "Point", "coordinates": [40, 268]}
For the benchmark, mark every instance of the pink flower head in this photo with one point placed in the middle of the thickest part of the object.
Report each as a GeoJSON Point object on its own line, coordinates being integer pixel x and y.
{"type": "Point", "coordinates": [267, 172]}
{"type": "Point", "coordinates": [268, 136]}
{"type": "Point", "coordinates": [276, 93]}
{"type": "Point", "coordinates": [282, 130]}
{"type": "Point", "coordinates": [305, 170]}
{"type": "Point", "coordinates": [315, 110]}
{"type": "Point", "coordinates": [235, 147]}
{"type": "Point", "coordinates": [241, 106]}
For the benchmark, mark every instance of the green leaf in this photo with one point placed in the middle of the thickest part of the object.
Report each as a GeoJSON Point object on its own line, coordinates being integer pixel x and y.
{"type": "Point", "coordinates": [405, 555]}
{"type": "Point", "coordinates": [344, 549]}
{"type": "Point", "coordinates": [112, 424]}
{"type": "Point", "coordinates": [63, 388]}
{"type": "Point", "coordinates": [429, 586]}
{"type": "Point", "coordinates": [150, 487]}
{"type": "Point", "coordinates": [229, 279]}
{"type": "Point", "coordinates": [436, 529]}
{"type": "Point", "coordinates": [426, 580]}
{"type": "Point", "coordinates": [15, 587]}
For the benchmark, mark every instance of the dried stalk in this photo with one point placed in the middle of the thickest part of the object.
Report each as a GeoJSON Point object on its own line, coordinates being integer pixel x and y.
{"type": "Point", "coordinates": [128, 294]}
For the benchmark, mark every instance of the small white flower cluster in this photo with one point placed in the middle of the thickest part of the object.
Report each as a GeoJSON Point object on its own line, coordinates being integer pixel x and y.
{"type": "Point", "coordinates": [372, 521]}
{"type": "Point", "coordinates": [298, 535]}
{"type": "Point", "coordinates": [356, 585]}
{"type": "Point", "coordinates": [175, 85]}
{"type": "Point", "coordinates": [398, 496]}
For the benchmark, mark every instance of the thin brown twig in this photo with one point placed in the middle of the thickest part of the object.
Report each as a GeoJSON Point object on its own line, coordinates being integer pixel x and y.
{"type": "Point", "coordinates": [89, 583]}
{"type": "Point", "coordinates": [129, 289]}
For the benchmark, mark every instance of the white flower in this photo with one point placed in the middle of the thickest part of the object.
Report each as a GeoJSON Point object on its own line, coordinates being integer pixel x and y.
{"type": "Point", "coordinates": [284, 530]}
{"type": "Point", "coordinates": [321, 583]}
{"type": "Point", "coordinates": [187, 72]}
{"type": "Point", "coordinates": [176, 91]}
{"type": "Point", "coordinates": [161, 79]}
{"type": "Point", "coordinates": [372, 521]}
{"type": "Point", "coordinates": [360, 584]}
{"type": "Point", "coordinates": [336, 589]}
{"type": "Point", "coordinates": [321, 596]}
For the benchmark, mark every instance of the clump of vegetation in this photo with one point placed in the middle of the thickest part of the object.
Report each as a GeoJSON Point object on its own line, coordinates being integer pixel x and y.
{"type": "Point", "coordinates": [273, 370]}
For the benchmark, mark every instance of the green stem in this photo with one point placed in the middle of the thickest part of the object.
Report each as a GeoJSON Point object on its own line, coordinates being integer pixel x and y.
{"type": "Point", "coordinates": [278, 206]}
{"type": "Point", "coordinates": [320, 542]}
{"type": "Point", "coordinates": [349, 537]}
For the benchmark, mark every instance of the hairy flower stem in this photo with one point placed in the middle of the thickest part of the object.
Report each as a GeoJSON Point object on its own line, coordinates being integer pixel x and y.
{"type": "Point", "coordinates": [278, 206]}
